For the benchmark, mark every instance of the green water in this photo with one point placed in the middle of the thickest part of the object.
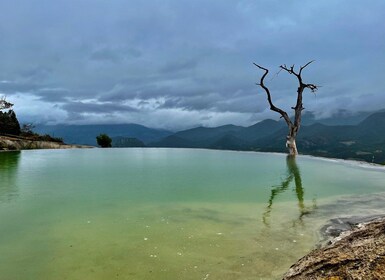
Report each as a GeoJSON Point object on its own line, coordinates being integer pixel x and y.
{"type": "Point", "coordinates": [170, 213]}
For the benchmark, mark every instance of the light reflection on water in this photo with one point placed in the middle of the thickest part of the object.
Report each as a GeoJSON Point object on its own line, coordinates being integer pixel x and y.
{"type": "Point", "coordinates": [169, 214]}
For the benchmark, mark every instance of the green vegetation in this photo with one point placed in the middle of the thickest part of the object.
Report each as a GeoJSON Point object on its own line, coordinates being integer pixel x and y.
{"type": "Point", "coordinates": [364, 141]}
{"type": "Point", "coordinates": [9, 123]}
{"type": "Point", "coordinates": [8, 120]}
{"type": "Point", "coordinates": [104, 140]}
{"type": "Point", "coordinates": [10, 126]}
{"type": "Point", "coordinates": [28, 133]}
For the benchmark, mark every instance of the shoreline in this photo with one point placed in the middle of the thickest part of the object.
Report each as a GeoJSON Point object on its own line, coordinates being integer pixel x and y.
{"type": "Point", "coordinates": [356, 253]}
{"type": "Point", "coordinates": [9, 144]}
{"type": "Point", "coordinates": [57, 145]}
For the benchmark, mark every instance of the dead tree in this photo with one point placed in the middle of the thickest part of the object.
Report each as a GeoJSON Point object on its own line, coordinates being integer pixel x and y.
{"type": "Point", "coordinates": [295, 125]}
{"type": "Point", "coordinates": [4, 104]}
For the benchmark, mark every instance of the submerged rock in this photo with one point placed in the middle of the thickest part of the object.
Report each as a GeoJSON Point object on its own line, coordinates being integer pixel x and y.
{"type": "Point", "coordinates": [337, 226]}
{"type": "Point", "coordinates": [358, 253]}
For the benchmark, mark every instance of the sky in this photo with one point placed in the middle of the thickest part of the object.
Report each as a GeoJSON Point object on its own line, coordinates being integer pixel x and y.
{"type": "Point", "coordinates": [177, 64]}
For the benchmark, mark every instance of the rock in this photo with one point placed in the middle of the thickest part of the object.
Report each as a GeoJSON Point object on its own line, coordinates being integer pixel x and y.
{"type": "Point", "coordinates": [337, 226]}
{"type": "Point", "coordinates": [355, 254]}
{"type": "Point", "coordinates": [17, 143]}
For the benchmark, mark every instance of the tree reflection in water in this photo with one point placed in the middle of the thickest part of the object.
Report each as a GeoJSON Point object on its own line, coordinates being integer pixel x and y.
{"type": "Point", "coordinates": [293, 173]}
{"type": "Point", "coordinates": [8, 168]}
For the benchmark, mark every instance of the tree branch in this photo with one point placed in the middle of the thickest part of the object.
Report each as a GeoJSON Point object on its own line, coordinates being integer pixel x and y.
{"type": "Point", "coordinates": [295, 125]}
{"type": "Point", "coordinates": [312, 87]}
{"type": "Point", "coordinates": [272, 106]}
{"type": "Point", "coordinates": [4, 104]}
{"type": "Point", "coordinates": [302, 86]}
{"type": "Point", "coordinates": [303, 67]}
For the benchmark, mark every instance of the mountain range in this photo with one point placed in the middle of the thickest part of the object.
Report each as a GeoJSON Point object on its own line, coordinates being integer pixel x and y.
{"type": "Point", "coordinates": [86, 134]}
{"type": "Point", "coordinates": [360, 137]}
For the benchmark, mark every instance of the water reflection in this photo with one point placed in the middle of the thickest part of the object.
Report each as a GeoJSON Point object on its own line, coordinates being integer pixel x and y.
{"type": "Point", "coordinates": [293, 173]}
{"type": "Point", "coordinates": [8, 172]}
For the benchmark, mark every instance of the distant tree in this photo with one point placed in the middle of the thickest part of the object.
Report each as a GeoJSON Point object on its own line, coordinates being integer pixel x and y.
{"type": "Point", "coordinates": [8, 120]}
{"type": "Point", "coordinates": [104, 140]}
{"type": "Point", "coordinates": [295, 125]}
{"type": "Point", "coordinates": [27, 128]}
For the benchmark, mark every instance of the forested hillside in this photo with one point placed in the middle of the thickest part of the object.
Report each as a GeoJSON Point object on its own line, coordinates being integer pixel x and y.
{"type": "Point", "coordinates": [358, 137]}
{"type": "Point", "coordinates": [364, 141]}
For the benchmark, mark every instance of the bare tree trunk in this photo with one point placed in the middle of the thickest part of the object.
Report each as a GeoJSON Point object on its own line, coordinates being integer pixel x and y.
{"type": "Point", "coordinates": [290, 140]}
{"type": "Point", "coordinates": [291, 145]}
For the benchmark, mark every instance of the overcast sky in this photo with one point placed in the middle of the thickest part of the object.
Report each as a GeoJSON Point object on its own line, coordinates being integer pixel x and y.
{"type": "Point", "coordinates": [176, 64]}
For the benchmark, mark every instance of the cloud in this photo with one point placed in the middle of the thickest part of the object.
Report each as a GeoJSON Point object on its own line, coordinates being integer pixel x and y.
{"type": "Point", "coordinates": [53, 95]}
{"type": "Point", "coordinates": [179, 66]}
{"type": "Point", "coordinates": [115, 55]}
{"type": "Point", "coordinates": [187, 61]}
{"type": "Point", "coordinates": [96, 107]}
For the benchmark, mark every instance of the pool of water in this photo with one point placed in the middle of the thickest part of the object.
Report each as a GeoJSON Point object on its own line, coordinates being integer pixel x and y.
{"type": "Point", "coordinates": [171, 213]}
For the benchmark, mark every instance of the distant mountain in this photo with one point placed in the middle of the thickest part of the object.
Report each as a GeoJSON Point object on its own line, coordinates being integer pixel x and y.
{"type": "Point", "coordinates": [120, 142]}
{"type": "Point", "coordinates": [197, 137]}
{"type": "Point", "coordinates": [230, 142]}
{"type": "Point", "coordinates": [363, 141]}
{"type": "Point", "coordinates": [341, 117]}
{"type": "Point", "coordinates": [229, 136]}
{"type": "Point", "coordinates": [261, 130]}
{"type": "Point", "coordinates": [372, 129]}
{"type": "Point", "coordinates": [86, 134]}
{"type": "Point", "coordinates": [174, 141]}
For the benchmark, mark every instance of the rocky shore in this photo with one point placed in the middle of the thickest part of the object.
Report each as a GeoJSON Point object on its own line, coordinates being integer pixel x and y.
{"type": "Point", "coordinates": [9, 143]}
{"type": "Point", "coordinates": [357, 253]}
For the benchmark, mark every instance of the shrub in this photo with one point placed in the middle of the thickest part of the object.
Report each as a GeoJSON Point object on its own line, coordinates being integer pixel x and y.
{"type": "Point", "coordinates": [104, 140]}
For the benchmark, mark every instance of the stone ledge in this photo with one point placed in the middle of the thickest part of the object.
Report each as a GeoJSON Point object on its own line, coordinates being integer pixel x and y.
{"type": "Point", "coordinates": [355, 254]}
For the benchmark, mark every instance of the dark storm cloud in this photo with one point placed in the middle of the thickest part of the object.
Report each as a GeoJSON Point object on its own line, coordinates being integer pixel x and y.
{"type": "Point", "coordinates": [82, 107]}
{"type": "Point", "coordinates": [11, 87]}
{"type": "Point", "coordinates": [54, 95]}
{"type": "Point", "coordinates": [178, 66]}
{"type": "Point", "coordinates": [240, 102]}
{"type": "Point", "coordinates": [144, 60]}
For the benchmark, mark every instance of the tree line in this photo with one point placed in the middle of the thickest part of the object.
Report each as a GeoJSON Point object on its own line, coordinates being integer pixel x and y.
{"type": "Point", "coordinates": [9, 123]}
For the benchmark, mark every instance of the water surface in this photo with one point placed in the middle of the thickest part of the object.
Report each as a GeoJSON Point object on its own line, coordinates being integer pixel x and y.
{"type": "Point", "coordinates": [170, 213]}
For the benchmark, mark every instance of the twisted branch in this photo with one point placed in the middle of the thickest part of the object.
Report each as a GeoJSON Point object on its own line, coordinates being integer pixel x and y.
{"type": "Point", "coordinates": [272, 106]}
{"type": "Point", "coordinates": [302, 86]}
{"type": "Point", "coordinates": [291, 71]}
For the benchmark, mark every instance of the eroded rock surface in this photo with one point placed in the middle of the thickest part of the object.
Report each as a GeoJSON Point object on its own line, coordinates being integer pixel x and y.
{"type": "Point", "coordinates": [335, 227]}
{"type": "Point", "coordinates": [358, 253]}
